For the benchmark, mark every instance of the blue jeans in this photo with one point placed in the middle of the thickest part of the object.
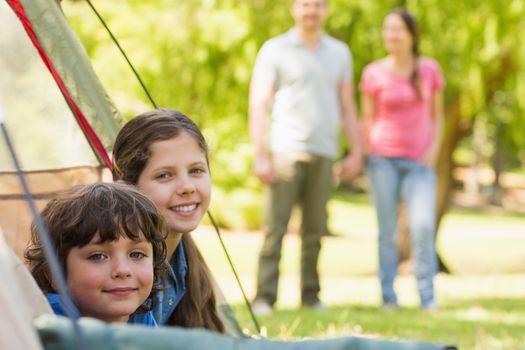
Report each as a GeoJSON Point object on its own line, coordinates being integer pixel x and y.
{"type": "Point", "coordinates": [390, 178]}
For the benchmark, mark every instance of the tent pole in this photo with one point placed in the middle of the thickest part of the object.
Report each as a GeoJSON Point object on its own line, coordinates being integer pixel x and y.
{"type": "Point", "coordinates": [54, 265]}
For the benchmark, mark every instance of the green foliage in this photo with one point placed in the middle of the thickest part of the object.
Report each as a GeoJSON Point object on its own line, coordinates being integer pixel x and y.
{"type": "Point", "coordinates": [236, 209]}
{"type": "Point", "coordinates": [197, 56]}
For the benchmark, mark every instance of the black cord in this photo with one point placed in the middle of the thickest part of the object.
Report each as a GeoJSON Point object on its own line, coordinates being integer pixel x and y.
{"type": "Point", "coordinates": [246, 300]}
{"type": "Point", "coordinates": [248, 305]}
{"type": "Point", "coordinates": [123, 54]}
{"type": "Point", "coordinates": [47, 245]}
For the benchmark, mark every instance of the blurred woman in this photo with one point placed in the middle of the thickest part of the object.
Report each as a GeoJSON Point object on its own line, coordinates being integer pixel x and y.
{"type": "Point", "coordinates": [402, 107]}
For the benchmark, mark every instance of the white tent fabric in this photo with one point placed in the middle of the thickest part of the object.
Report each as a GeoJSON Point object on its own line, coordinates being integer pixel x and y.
{"type": "Point", "coordinates": [42, 127]}
{"type": "Point", "coordinates": [49, 143]}
{"type": "Point", "coordinates": [21, 301]}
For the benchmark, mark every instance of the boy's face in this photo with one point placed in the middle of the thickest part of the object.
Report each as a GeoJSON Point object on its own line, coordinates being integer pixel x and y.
{"type": "Point", "coordinates": [110, 280]}
{"type": "Point", "coordinates": [177, 179]}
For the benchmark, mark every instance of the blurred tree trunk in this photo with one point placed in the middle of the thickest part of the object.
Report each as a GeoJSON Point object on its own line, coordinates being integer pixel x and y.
{"type": "Point", "coordinates": [497, 165]}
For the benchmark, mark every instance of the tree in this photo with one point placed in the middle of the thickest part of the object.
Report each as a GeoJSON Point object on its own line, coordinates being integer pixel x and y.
{"type": "Point", "coordinates": [198, 55]}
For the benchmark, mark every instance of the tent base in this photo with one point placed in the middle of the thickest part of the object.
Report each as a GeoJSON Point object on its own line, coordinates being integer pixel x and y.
{"type": "Point", "coordinates": [57, 333]}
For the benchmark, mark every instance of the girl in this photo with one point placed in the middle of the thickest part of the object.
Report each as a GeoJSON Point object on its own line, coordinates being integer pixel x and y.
{"type": "Point", "coordinates": [110, 242]}
{"type": "Point", "coordinates": [402, 111]}
{"type": "Point", "coordinates": [164, 154]}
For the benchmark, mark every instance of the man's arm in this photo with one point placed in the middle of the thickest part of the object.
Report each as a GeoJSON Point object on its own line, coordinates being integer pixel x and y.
{"type": "Point", "coordinates": [352, 164]}
{"type": "Point", "coordinates": [261, 94]}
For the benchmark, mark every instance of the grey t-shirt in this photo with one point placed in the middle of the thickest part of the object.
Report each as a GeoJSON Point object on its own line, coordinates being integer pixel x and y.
{"type": "Point", "coordinates": [306, 109]}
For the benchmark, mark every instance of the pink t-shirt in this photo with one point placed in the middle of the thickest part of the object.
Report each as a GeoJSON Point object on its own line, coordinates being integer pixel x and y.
{"type": "Point", "coordinates": [402, 124]}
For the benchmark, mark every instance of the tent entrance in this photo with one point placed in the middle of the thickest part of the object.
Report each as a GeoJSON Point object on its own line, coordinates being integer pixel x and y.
{"type": "Point", "coordinates": [15, 216]}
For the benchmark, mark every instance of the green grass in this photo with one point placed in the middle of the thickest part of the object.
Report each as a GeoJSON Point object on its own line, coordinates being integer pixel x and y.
{"type": "Point", "coordinates": [482, 305]}
{"type": "Point", "coordinates": [477, 324]}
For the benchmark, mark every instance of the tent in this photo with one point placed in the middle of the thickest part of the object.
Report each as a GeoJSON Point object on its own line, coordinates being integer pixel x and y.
{"type": "Point", "coordinates": [63, 124]}
{"type": "Point", "coordinates": [17, 285]}
{"type": "Point", "coordinates": [50, 96]}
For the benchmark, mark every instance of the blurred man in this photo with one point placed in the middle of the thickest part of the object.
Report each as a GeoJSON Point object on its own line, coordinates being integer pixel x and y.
{"type": "Point", "coordinates": [301, 93]}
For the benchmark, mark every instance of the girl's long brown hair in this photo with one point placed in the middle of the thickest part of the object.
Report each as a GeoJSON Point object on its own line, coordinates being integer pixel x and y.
{"type": "Point", "coordinates": [131, 152]}
{"type": "Point", "coordinates": [413, 28]}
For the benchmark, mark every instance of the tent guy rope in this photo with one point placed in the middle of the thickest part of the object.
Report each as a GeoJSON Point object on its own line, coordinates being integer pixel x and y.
{"type": "Point", "coordinates": [154, 104]}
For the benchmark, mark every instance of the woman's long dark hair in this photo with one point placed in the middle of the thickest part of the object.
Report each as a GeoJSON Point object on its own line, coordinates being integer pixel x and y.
{"type": "Point", "coordinates": [413, 28]}
{"type": "Point", "coordinates": [131, 153]}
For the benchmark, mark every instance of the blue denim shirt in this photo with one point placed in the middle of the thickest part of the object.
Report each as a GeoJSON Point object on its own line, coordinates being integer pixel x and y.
{"type": "Point", "coordinates": [59, 308]}
{"type": "Point", "coordinates": [173, 286]}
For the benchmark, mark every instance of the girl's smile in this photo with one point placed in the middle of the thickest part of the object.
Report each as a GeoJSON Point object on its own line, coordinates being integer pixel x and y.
{"type": "Point", "coordinates": [177, 179]}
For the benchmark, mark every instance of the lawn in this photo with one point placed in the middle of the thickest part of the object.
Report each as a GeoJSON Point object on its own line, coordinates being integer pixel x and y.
{"type": "Point", "coordinates": [469, 324]}
{"type": "Point", "coordinates": [482, 304]}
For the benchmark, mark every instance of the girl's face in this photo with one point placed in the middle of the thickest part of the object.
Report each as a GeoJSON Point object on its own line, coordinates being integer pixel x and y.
{"type": "Point", "coordinates": [110, 280]}
{"type": "Point", "coordinates": [396, 36]}
{"type": "Point", "coordinates": [177, 179]}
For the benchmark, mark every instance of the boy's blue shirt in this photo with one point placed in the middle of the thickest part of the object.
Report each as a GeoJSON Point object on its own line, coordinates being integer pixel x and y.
{"type": "Point", "coordinates": [172, 285]}
{"type": "Point", "coordinates": [59, 308]}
